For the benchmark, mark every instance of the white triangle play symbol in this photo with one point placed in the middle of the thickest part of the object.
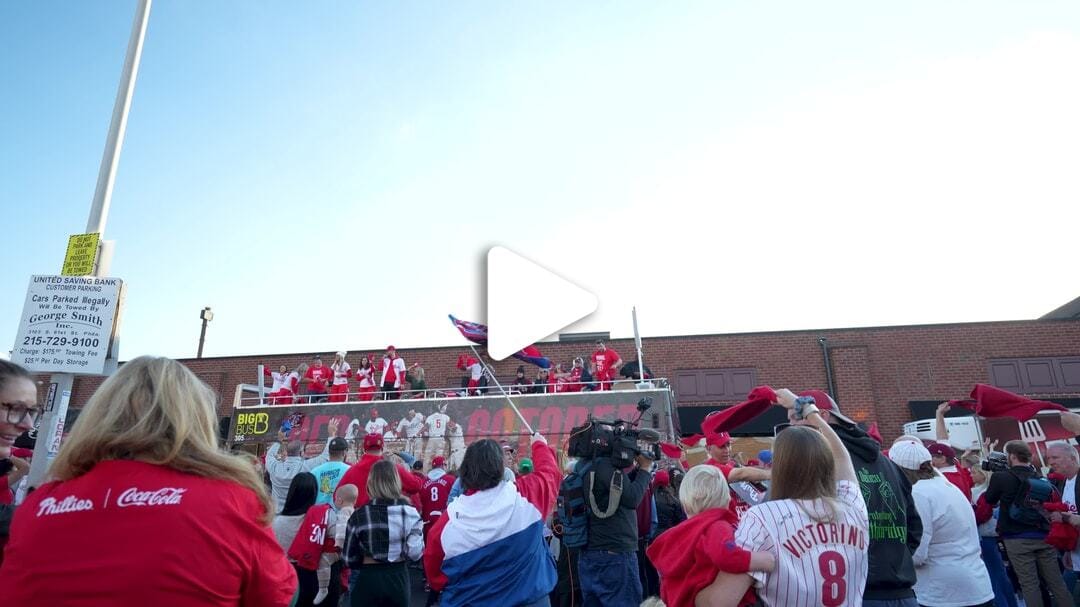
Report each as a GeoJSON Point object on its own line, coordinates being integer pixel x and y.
{"type": "Point", "coordinates": [526, 303]}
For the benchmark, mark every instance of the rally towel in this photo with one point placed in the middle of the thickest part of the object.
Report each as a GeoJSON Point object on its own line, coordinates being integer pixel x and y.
{"type": "Point", "coordinates": [988, 401]}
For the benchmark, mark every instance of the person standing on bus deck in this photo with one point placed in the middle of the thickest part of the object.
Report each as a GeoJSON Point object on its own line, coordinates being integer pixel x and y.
{"type": "Point", "coordinates": [393, 374]}
{"type": "Point", "coordinates": [339, 390]}
{"type": "Point", "coordinates": [605, 362]}
{"type": "Point", "coordinates": [316, 379]}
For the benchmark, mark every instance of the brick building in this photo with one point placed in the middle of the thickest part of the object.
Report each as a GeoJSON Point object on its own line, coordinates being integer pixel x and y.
{"type": "Point", "coordinates": [885, 374]}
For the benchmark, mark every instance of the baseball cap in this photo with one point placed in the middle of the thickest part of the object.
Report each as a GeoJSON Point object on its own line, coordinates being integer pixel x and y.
{"type": "Point", "coordinates": [942, 449]}
{"type": "Point", "coordinates": [507, 447]}
{"type": "Point", "coordinates": [418, 464]}
{"type": "Point", "coordinates": [717, 440]}
{"type": "Point", "coordinates": [662, 478]}
{"type": "Point", "coordinates": [438, 462]}
{"type": "Point", "coordinates": [909, 455]}
{"type": "Point", "coordinates": [338, 444]}
{"type": "Point", "coordinates": [372, 441]}
{"type": "Point", "coordinates": [391, 348]}
{"type": "Point", "coordinates": [825, 402]}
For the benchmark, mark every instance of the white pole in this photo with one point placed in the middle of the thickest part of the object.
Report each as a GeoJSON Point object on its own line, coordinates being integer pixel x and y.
{"type": "Point", "coordinates": [642, 383]}
{"type": "Point", "coordinates": [51, 427]}
{"type": "Point", "coordinates": [506, 394]}
{"type": "Point", "coordinates": [99, 209]}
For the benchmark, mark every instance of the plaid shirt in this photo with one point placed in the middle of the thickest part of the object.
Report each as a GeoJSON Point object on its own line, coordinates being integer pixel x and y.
{"type": "Point", "coordinates": [387, 531]}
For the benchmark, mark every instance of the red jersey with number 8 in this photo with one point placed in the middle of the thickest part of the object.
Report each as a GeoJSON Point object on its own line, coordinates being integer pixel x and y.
{"type": "Point", "coordinates": [821, 556]}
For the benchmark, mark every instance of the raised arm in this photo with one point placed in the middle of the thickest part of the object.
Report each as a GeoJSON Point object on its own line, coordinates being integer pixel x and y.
{"type": "Point", "coordinates": [940, 431]}
{"type": "Point", "coordinates": [845, 471]}
{"type": "Point", "coordinates": [1070, 421]}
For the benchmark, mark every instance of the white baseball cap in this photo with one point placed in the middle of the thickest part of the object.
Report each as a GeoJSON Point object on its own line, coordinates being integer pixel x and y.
{"type": "Point", "coordinates": [909, 455]}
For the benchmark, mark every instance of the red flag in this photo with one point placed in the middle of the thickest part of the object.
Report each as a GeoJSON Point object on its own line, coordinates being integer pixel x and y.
{"type": "Point", "coordinates": [759, 399]}
{"type": "Point", "coordinates": [995, 402]}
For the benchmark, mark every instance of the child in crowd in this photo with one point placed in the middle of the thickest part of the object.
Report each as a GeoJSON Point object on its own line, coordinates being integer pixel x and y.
{"type": "Point", "coordinates": [344, 503]}
{"type": "Point", "coordinates": [691, 554]}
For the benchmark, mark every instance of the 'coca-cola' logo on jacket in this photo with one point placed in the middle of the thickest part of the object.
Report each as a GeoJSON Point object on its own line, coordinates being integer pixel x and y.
{"type": "Point", "coordinates": [166, 496]}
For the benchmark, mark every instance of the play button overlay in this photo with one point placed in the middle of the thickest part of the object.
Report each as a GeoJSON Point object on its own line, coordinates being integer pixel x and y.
{"type": "Point", "coordinates": [526, 303]}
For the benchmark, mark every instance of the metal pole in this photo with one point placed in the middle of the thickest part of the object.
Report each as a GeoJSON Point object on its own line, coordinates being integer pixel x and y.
{"type": "Point", "coordinates": [202, 338]}
{"type": "Point", "coordinates": [99, 210]}
{"type": "Point", "coordinates": [505, 394]}
{"type": "Point", "coordinates": [51, 427]}
{"type": "Point", "coordinates": [642, 383]}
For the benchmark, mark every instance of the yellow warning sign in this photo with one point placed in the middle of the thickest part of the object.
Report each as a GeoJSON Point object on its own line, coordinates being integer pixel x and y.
{"type": "Point", "coordinates": [81, 254]}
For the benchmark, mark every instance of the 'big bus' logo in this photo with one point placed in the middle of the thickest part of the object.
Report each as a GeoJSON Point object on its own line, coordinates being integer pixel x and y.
{"type": "Point", "coordinates": [252, 423]}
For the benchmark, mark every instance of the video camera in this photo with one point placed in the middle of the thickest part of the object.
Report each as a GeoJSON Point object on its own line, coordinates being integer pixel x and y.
{"type": "Point", "coordinates": [996, 461]}
{"type": "Point", "coordinates": [619, 440]}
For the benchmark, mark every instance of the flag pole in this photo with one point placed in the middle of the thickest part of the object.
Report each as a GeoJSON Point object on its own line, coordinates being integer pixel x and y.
{"type": "Point", "coordinates": [505, 394]}
{"type": "Point", "coordinates": [640, 359]}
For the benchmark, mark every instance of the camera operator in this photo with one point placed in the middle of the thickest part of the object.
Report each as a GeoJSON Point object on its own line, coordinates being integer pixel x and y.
{"type": "Point", "coordinates": [1025, 541]}
{"type": "Point", "coordinates": [608, 565]}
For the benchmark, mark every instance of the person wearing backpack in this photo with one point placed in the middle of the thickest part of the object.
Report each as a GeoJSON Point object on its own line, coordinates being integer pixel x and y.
{"type": "Point", "coordinates": [1023, 525]}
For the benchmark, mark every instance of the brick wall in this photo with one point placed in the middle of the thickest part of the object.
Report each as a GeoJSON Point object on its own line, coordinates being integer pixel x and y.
{"type": "Point", "coordinates": [876, 370]}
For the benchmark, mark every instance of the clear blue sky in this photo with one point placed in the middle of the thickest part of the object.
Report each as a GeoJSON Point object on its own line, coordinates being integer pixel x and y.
{"type": "Point", "coordinates": [328, 175]}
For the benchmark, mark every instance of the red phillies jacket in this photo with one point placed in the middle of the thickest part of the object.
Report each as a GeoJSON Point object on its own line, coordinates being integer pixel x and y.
{"type": "Point", "coordinates": [131, 533]}
{"type": "Point", "coordinates": [312, 539]}
{"type": "Point", "coordinates": [358, 475]}
{"type": "Point", "coordinates": [690, 555]}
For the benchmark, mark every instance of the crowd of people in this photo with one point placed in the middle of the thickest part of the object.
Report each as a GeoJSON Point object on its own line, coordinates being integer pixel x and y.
{"type": "Point", "coordinates": [143, 506]}
{"type": "Point", "coordinates": [387, 378]}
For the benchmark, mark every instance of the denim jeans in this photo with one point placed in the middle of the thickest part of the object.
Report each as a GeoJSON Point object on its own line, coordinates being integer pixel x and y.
{"type": "Point", "coordinates": [1004, 593]}
{"type": "Point", "coordinates": [609, 579]}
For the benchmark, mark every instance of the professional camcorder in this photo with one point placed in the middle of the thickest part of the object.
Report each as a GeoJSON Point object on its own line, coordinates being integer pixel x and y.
{"type": "Point", "coordinates": [996, 461]}
{"type": "Point", "coordinates": [619, 440]}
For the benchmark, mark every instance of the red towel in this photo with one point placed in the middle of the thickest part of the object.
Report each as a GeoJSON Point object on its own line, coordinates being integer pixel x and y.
{"type": "Point", "coordinates": [756, 403]}
{"type": "Point", "coordinates": [995, 402]}
{"type": "Point", "coordinates": [1062, 535]}
{"type": "Point", "coordinates": [670, 450]}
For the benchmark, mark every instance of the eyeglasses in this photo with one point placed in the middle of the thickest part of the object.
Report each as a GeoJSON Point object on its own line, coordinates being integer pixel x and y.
{"type": "Point", "coordinates": [15, 414]}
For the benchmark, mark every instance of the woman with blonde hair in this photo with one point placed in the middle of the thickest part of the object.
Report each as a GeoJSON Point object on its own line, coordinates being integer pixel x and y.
{"type": "Point", "coordinates": [380, 537]}
{"type": "Point", "coordinates": [143, 508]}
{"type": "Point", "coordinates": [815, 523]}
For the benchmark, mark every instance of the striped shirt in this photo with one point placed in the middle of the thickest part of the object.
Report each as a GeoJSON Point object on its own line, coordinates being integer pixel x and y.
{"type": "Point", "coordinates": [820, 559]}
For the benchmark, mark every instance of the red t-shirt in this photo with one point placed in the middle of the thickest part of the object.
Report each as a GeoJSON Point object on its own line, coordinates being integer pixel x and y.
{"type": "Point", "coordinates": [131, 533]}
{"type": "Point", "coordinates": [358, 473]}
{"type": "Point", "coordinates": [434, 495]}
{"type": "Point", "coordinates": [391, 372]}
{"type": "Point", "coordinates": [605, 360]}
{"type": "Point", "coordinates": [318, 376]}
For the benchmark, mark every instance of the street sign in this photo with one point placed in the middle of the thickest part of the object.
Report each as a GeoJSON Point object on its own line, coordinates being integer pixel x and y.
{"type": "Point", "coordinates": [68, 324]}
{"type": "Point", "coordinates": [81, 254]}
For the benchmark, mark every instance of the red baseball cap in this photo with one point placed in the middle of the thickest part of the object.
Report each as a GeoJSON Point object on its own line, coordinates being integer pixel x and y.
{"type": "Point", "coordinates": [372, 441]}
{"type": "Point", "coordinates": [825, 402]}
{"type": "Point", "coordinates": [662, 478]}
{"type": "Point", "coordinates": [717, 440]}
{"type": "Point", "coordinates": [438, 462]}
{"type": "Point", "coordinates": [943, 450]}
{"type": "Point", "coordinates": [391, 348]}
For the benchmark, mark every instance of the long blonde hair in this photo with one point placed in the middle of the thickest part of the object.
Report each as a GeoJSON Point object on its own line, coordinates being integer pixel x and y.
{"type": "Point", "coordinates": [155, 410]}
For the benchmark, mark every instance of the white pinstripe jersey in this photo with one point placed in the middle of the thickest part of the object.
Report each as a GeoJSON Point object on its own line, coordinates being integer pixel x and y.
{"type": "Point", "coordinates": [817, 564]}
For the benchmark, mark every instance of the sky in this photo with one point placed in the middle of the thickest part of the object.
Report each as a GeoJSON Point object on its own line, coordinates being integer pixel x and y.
{"type": "Point", "coordinates": [330, 175]}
